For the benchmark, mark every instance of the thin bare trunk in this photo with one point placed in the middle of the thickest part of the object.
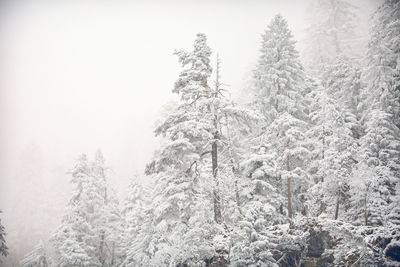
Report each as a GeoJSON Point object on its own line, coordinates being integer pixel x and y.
{"type": "Point", "coordinates": [238, 199]}
{"type": "Point", "coordinates": [214, 155]}
{"type": "Point", "coordinates": [337, 205]}
{"type": "Point", "coordinates": [365, 206]}
{"type": "Point", "coordinates": [288, 188]}
{"type": "Point", "coordinates": [322, 205]}
{"type": "Point", "coordinates": [289, 193]}
{"type": "Point", "coordinates": [217, 201]}
{"type": "Point", "coordinates": [113, 255]}
{"type": "Point", "coordinates": [102, 243]}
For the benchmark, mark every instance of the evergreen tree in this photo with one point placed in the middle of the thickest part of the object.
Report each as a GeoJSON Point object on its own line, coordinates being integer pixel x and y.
{"type": "Point", "coordinates": [279, 151]}
{"type": "Point", "coordinates": [368, 205]}
{"type": "Point", "coordinates": [380, 143]}
{"type": "Point", "coordinates": [187, 203]}
{"type": "Point", "coordinates": [108, 222]}
{"type": "Point", "coordinates": [334, 133]}
{"type": "Point", "coordinates": [74, 240]}
{"type": "Point", "coordinates": [134, 211]}
{"type": "Point", "coordinates": [342, 82]}
{"type": "Point", "coordinates": [176, 168]}
{"type": "Point", "coordinates": [91, 228]}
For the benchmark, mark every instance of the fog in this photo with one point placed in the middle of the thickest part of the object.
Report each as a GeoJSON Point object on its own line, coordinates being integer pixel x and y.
{"type": "Point", "coordinates": [78, 76]}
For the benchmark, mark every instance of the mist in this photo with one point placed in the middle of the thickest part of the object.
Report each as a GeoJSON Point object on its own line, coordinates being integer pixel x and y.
{"type": "Point", "coordinates": [80, 76]}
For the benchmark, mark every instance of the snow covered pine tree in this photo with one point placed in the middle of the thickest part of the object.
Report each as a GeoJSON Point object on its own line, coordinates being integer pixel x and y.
{"type": "Point", "coordinates": [280, 151]}
{"type": "Point", "coordinates": [380, 109]}
{"type": "Point", "coordinates": [90, 230]}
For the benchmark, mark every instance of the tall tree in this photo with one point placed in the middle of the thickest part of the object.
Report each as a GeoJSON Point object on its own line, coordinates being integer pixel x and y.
{"type": "Point", "coordinates": [334, 133]}
{"type": "Point", "coordinates": [134, 210]}
{"type": "Point", "coordinates": [108, 222]}
{"type": "Point", "coordinates": [279, 97]}
{"type": "Point", "coordinates": [189, 133]}
{"type": "Point", "coordinates": [74, 239]}
{"type": "Point", "coordinates": [192, 164]}
{"type": "Point", "coordinates": [90, 228]}
{"type": "Point", "coordinates": [380, 106]}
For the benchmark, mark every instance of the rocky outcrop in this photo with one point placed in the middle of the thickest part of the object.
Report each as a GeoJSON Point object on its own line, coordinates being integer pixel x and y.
{"type": "Point", "coordinates": [323, 243]}
{"type": "Point", "coordinates": [313, 242]}
{"type": "Point", "coordinates": [392, 251]}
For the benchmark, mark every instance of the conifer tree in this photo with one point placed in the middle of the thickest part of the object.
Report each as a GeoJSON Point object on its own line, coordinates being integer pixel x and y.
{"type": "Point", "coordinates": [74, 239]}
{"type": "Point", "coordinates": [178, 165]}
{"type": "Point", "coordinates": [90, 230]}
{"type": "Point", "coordinates": [192, 165]}
{"type": "Point", "coordinates": [335, 131]}
{"type": "Point", "coordinates": [379, 107]}
{"type": "Point", "coordinates": [134, 210]}
{"type": "Point", "coordinates": [280, 151]}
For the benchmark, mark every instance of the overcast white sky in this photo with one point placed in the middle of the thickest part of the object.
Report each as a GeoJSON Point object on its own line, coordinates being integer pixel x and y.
{"type": "Point", "coordinates": [80, 75]}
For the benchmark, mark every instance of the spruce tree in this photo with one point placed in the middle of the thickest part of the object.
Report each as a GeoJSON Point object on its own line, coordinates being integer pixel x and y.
{"type": "Point", "coordinates": [134, 211]}
{"type": "Point", "coordinates": [379, 107]}
{"type": "Point", "coordinates": [334, 133]}
{"type": "Point", "coordinates": [193, 168]}
{"type": "Point", "coordinates": [279, 151]}
{"type": "Point", "coordinates": [90, 230]}
{"type": "Point", "coordinates": [181, 161]}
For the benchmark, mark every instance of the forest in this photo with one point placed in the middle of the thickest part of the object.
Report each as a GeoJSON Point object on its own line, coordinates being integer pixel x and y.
{"type": "Point", "coordinates": [304, 172]}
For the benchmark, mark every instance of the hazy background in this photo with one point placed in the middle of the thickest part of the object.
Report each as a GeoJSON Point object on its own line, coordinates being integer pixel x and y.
{"type": "Point", "coordinates": [80, 75]}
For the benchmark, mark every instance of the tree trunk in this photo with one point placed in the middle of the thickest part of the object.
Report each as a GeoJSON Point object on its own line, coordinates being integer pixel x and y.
{"type": "Point", "coordinates": [214, 153]}
{"type": "Point", "coordinates": [288, 188]}
{"type": "Point", "coordinates": [337, 205]}
{"type": "Point", "coordinates": [102, 257]}
{"type": "Point", "coordinates": [322, 205]}
{"type": "Point", "coordinates": [365, 207]}
{"type": "Point", "coordinates": [238, 199]}
{"type": "Point", "coordinates": [217, 201]}
{"type": "Point", "coordinates": [112, 255]}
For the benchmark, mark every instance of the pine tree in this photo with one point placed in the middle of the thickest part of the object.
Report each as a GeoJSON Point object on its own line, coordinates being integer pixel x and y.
{"type": "Point", "coordinates": [74, 239]}
{"type": "Point", "coordinates": [108, 221]}
{"type": "Point", "coordinates": [342, 82]}
{"type": "Point", "coordinates": [334, 133]}
{"type": "Point", "coordinates": [380, 143]}
{"type": "Point", "coordinates": [177, 166]}
{"type": "Point", "coordinates": [91, 228]}
{"type": "Point", "coordinates": [193, 167]}
{"type": "Point", "coordinates": [280, 151]}
{"type": "Point", "coordinates": [134, 211]}
{"type": "Point", "coordinates": [368, 204]}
